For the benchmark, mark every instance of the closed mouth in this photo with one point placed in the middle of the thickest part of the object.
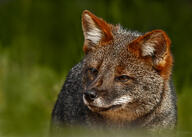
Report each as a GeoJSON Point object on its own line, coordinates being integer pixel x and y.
{"type": "Point", "coordinates": [100, 109]}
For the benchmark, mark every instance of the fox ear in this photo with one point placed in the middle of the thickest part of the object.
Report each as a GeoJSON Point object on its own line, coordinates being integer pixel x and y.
{"type": "Point", "coordinates": [154, 46]}
{"type": "Point", "coordinates": [95, 30]}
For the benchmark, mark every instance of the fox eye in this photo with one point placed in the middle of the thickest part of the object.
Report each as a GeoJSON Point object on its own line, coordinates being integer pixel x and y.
{"type": "Point", "coordinates": [92, 71]}
{"type": "Point", "coordinates": [123, 78]}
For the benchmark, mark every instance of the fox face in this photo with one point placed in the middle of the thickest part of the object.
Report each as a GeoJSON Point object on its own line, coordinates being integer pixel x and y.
{"type": "Point", "coordinates": [124, 73]}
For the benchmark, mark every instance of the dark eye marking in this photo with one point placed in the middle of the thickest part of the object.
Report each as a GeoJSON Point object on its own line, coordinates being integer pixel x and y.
{"type": "Point", "coordinates": [123, 78]}
{"type": "Point", "coordinates": [92, 71]}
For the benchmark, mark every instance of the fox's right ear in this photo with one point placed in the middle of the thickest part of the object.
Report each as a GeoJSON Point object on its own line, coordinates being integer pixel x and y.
{"type": "Point", "coordinates": [96, 31]}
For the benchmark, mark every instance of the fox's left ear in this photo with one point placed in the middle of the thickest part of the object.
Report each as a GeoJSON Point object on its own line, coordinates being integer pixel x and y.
{"type": "Point", "coordinates": [96, 30]}
{"type": "Point", "coordinates": [154, 47]}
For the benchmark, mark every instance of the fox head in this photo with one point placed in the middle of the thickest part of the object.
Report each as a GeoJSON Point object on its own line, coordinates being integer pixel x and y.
{"type": "Point", "coordinates": [125, 73]}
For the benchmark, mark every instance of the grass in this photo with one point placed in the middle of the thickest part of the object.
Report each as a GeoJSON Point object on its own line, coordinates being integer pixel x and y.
{"type": "Point", "coordinates": [28, 94]}
{"type": "Point", "coordinates": [27, 97]}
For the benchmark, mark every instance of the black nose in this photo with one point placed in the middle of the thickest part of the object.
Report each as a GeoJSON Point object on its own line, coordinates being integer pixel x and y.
{"type": "Point", "coordinates": [90, 95]}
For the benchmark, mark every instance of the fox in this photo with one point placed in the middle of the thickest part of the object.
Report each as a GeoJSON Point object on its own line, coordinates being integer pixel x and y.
{"type": "Point", "coordinates": [124, 80]}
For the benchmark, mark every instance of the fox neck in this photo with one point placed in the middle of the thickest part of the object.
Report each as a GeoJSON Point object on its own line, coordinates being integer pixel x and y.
{"type": "Point", "coordinates": [164, 114]}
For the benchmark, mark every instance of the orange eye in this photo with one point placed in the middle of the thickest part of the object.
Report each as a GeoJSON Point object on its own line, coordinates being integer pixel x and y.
{"type": "Point", "coordinates": [123, 78]}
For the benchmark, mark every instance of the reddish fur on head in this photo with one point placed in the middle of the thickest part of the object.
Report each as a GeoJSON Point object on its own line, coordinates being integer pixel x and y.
{"type": "Point", "coordinates": [105, 27]}
{"type": "Point", "coordinates": [100, 24]}
{"type": "Point", "coordinates": [126, 75]}
{"type": "Point", "coordinates": [160, 58]}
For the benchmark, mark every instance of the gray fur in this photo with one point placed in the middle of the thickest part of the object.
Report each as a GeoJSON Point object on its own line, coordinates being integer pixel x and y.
{"type": "Point", "coordinates": [154, 99]}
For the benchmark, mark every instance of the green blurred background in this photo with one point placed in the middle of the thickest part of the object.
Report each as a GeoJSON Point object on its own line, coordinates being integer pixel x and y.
{"type": "Point", "coordinates": [40, 40]}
